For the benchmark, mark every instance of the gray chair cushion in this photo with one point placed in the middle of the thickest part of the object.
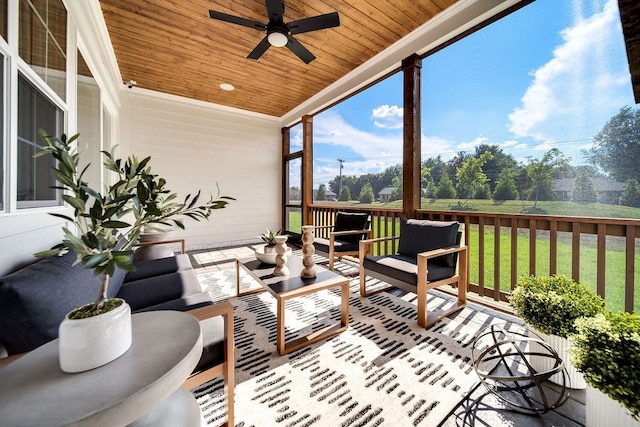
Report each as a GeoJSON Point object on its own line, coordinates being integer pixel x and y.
{"type": "Point", "coordinates": [36, 299]}
{"type": "Point", "coordinates": [418, 236]}
{"type": "Point", "coordinates": [405, 269]}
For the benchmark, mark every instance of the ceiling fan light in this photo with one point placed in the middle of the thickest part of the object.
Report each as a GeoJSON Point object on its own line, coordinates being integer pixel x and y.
{"type": "Point", "coordinates": [277, 39]}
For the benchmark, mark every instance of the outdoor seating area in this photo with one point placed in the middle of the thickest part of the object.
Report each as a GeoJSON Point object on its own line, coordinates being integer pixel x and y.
{"type": "Point", "coordinates": [454, 186]}
{"type": "Point", "coordinates": [476, 406]}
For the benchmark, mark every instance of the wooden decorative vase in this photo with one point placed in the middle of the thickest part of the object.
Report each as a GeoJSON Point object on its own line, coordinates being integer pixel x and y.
{"type": "Point", "coordinates": [281, 268]}
{"type": "Point", "coordinates": [308, 250]}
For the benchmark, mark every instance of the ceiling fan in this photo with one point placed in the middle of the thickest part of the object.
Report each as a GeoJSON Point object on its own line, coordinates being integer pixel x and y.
{"type": "Point", "coordinates": [279, 33]}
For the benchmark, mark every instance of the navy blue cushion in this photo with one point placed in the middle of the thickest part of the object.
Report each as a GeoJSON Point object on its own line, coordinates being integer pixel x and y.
{"type": "Point", "coordinates": [418, 236]}
{"type": "Point", "coordinates": [151, 291]}
{"type": "Point", "coordinates": [322, 245]}
{"type": "Point", "coordinates": [157, 267]}
{"type": "Point", "coordinates": [349, 221]}
{"type": "Point", "coordinates": [35, 299]}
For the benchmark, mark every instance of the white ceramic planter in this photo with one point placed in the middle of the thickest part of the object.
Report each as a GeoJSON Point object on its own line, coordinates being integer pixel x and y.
{"type": "Point", "coordinates": [603, 411]}
{"type": "Point", "coordinates": [267, 254]}
{"type": "Point", "coordinates": [560, 345]}
{"type": "Point", "coordinates": [86, 344]}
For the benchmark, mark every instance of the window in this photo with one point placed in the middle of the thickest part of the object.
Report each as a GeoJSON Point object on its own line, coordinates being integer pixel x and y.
{"type": "Point", "coordinates": [43, 41]}
{"type": "Point", "coordinates": [496, 103]}
{"type": "Point", "coordinates": [89, 124]}
{"type": "Point", "coordinates": [35, 112]}
{"type": "Point", "coordinates": [358, 144]}
{"type": "Point", "coordinates": [293, 195]}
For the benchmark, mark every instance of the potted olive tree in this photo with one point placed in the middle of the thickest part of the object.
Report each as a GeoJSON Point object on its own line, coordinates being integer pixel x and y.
{"type": "Point", "coordinates": [606, 349]}
{"type": "Point", "coordinates": [550, 305]}
{"type": "Point", "coordinates": [107, 225]}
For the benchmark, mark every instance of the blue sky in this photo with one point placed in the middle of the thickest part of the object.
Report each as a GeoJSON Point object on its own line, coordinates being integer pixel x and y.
{"type": "Point", "coordinates": [549, 75]}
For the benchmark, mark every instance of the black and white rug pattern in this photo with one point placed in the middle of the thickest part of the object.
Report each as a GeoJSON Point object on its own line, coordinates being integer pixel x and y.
{"type": "Point", "coordinates": [383, 370]}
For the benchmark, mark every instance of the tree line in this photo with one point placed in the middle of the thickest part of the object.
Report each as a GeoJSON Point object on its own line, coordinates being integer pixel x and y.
{"type": "Point", "coordinates": [490, 173]}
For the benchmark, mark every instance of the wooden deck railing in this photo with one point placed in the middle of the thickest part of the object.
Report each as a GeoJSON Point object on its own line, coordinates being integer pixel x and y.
{"type": "Point", "coordinates": [601, 252]}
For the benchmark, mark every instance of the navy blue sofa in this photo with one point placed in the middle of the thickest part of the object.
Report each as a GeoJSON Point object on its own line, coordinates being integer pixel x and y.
{"type": "Point", "coordinates": [35, 299]}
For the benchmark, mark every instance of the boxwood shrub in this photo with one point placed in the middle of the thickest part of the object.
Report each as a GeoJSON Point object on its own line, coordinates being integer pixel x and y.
{"type": "Point", "coordinates": [552, 303]}
{"type": "Point", "coordinates": [606, 349]}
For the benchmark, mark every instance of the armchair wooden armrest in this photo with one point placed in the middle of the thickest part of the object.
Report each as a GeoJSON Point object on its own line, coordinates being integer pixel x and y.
{"type": "Point", "coordinates": [367, 244]}
{"type": "Point", "coordinates": [224, 308]}
{"type": "Point", "coordinates": [441, 251]}
{"type": "Point", "coordinates": [459, 278]}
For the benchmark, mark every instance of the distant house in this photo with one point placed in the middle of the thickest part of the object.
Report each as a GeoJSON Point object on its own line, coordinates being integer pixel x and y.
{"type": "Point", "coordinates": [328, 195]}
{"type": "Point", "coordinates": [607, 189]}
{"type": "Point", "coordinates": [385, 194]}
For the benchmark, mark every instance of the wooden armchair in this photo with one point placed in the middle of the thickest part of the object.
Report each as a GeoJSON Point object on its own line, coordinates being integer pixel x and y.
{"type": "Point", "coordinates": [218, 357]}
{"type": "Point", "coordinates": [429, 255]}
{"type": "Point", "coordinates": [349, 229]}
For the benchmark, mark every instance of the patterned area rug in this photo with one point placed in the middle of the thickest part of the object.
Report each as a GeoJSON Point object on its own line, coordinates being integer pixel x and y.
{"type": "Point", "coordinates": [383, 370]}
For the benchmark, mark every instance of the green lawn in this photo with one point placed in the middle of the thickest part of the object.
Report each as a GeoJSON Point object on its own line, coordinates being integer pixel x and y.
{"type": "Point", "coordinates": [615, 258]}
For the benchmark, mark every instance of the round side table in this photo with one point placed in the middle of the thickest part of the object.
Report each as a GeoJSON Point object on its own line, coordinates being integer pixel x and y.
{"type": "Point", "coordinates": [143, 384]}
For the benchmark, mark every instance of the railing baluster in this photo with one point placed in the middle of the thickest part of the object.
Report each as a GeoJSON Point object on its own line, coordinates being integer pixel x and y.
{"type": "Point", "coordinates": [496, 259]}
{"type": "Point", "coordinates": [514, 252]}
{"type": "Point", "coordinates": [533, 231]}
{"type": "Point", "coordinates": [553, 247]}
{"type": "Point", "coordinates": [630, 251]}
{"type": "Point", "coordinates": [481, 255]}
{"type": "Point", "coordinates": [575, 251]}
{"type": "Point", "coordinates": [602, 259]}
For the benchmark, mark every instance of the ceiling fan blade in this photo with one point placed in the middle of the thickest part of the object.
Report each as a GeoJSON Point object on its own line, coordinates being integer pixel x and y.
{"type": "Point", "coordinates": [302, 52]}
{"type": "Point", "coordinates": [275, 10]}
{"type": "Point", "coordinates": [260, 49]}
{"type": "Point", "coordinates": [237, 20]}
{"type": "Point", "coordinates": [320, 22]}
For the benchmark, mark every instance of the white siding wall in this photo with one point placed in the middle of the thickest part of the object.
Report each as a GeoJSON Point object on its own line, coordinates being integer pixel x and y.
{"type": "Point", "coordinates": [195, 146]}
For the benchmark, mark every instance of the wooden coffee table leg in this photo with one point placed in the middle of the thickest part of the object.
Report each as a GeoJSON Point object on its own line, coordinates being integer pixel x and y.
{"type": "Point", "coordinates": [344, 310]}
{"type": "Point", "coordinates": [287, 347]}
{"type": "Point", "coordinates": [280, 344]}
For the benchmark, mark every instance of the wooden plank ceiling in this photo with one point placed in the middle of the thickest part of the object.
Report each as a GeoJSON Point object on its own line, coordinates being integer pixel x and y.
{"type": "Point", "coordinates": [174, 47]}
{"type": "Point", "coordinates": [630, 17]}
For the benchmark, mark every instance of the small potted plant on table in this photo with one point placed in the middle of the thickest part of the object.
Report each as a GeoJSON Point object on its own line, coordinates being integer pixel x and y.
{"type": "Point", "coordinates": [106, 226]}
{"type": "Point", "coordinates": [550, 305]}
{"type": "Point", "coordinates": [267, 253]}
{"type": "Point", "coordinates": [606, 349]}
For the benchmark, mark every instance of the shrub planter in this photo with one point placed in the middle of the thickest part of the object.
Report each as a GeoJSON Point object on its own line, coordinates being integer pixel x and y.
{"type": "Point", "coordinates": [561, 346]}
{"type": "Point", "coordinates": [603, 411]}
{"type": "Point", "coordinates": [550, 305]}
{"type": "Point", "coordinates": [606, 349]}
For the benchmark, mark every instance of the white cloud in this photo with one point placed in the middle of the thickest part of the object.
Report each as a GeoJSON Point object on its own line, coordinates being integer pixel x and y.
{"type": "Point", "coordinates": [330, 128]}
{"type": "Point", "coordinates": [378, 151]}
{"type": "Point", "coordinates": [388, 116]}
{"type": "Point", "coordinates": [583, 82]}
{"type": "Point", "coordinates": [469, 146]}
{"type": "Point", "coordinates": [433, 146]}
